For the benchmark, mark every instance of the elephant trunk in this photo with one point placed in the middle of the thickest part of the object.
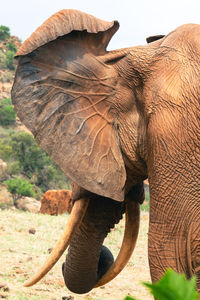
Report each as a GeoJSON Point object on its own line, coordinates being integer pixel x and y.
{"type": "Point", "coordinates": [88, 263]}
{"type": "Point", "coordinates": [81, 267]}
{"type": "Point", "coordinates": [80, 270]}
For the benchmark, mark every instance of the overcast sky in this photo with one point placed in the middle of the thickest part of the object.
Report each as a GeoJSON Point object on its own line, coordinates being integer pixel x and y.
{"type": "Point", "coordinates": [138, 18]}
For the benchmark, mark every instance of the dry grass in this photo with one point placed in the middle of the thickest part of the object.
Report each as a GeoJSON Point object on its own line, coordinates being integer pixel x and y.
{"type": "Point", "coordinates": [22, 253]}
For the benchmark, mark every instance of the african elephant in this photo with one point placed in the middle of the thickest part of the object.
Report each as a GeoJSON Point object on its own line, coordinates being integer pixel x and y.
{"type": "Point", "coordinates": [110, 119]}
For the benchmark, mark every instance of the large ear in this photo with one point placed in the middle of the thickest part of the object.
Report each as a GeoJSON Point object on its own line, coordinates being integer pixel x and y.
{"type": "Point", "coordinates": [154, 38]}
{"type": "Point", "coordinates": [64, 93]}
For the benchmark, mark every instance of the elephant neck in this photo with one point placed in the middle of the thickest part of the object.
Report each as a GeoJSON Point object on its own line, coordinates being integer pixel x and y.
{"type": "Point", "coordinates": [173, 158]}
{"type": "Point", "coordinates": [174, 189]}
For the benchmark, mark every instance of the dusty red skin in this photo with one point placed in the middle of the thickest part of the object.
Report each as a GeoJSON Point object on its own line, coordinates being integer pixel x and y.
{"type": "Point", "coordinates": [112, 119]}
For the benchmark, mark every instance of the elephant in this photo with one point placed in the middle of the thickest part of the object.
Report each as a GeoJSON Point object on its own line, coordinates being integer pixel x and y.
{"type": "Point", "coordinates": [109, 120]}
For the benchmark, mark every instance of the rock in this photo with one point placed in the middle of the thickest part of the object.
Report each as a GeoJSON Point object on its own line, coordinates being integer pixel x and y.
{"type": "Point", "coordinates": [6, 198]}
{"type": "Point", "coordinates": [29, 258]}
{"type": "Point", "coordinates": [56, 202]}
{"type": "Point", "coordinates": [28, 204]}
{"type": "Point", "coordinates": [4, 287]}
{"type": "Point", "coordinates": [32, 231]}
{"type": "Point", "coordinates": [12, 207]}
{"type": "Point", "coordinates": [11, 250]}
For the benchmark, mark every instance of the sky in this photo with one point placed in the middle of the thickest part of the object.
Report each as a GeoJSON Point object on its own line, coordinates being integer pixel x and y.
{"type": "Point", "coordinates": [138, 18]}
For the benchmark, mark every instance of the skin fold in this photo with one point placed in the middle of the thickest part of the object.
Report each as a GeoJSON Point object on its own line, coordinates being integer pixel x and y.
{"type": "Point", "coordinates": [110, 120]}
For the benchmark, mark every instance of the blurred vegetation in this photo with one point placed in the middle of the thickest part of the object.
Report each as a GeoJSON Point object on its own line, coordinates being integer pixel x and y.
{"type": "Point", "coordinates": [172, 286]}
{"type": "Point", "coordinates": [4, 32]}
{"type": "Point", "coordinates": [7, 50]}
{"type": "Point", "coordinates": [11, 47]}
{"type": "Point", "coordinates": [8, 60]}
{"type": "Point", "coordinates": [26, 162]}
{"type": "Point", "coordinates": [7, 113]}
{"type": "Point", "coordinates": [6, 75]}
{"type": "Point", "coordinates": [145, 204]}
{"type": "Point", "coordinates": [19, 187]}
{"type": "Point", "coordinates": [26, 159]}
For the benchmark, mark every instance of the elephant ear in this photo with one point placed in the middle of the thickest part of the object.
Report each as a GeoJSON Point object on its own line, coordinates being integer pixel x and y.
{"type": "Point", "coordinates": [64, 94]}
{"type": "Point", "coordinates": [154, 38]}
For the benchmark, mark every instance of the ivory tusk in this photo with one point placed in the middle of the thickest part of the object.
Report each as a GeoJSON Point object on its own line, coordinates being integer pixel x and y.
{"type": "Point", "coordinates": [76, 216]}
{"type": "Point", "coordinates": [128, 244]}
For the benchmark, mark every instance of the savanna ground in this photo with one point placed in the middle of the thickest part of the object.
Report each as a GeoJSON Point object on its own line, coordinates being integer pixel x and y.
{"type": "Point", "coordinates": [21, 253]}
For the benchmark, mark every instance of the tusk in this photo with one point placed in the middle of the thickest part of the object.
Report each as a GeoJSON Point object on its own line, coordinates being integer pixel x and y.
{"type": "Point", "coordinates": [76, 216]}
{"type": "Point", "coordinates": [128, 244]}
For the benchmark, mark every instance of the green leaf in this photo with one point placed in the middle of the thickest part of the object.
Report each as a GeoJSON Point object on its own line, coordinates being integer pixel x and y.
{"type": "Point", "coordinates": [129, 298]}
{"type": "Point", "coordinates": [173, 286]}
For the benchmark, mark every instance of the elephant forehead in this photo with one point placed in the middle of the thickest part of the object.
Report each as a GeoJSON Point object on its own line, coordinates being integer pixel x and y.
{"type": "Point", "coordinates": [183, 37]}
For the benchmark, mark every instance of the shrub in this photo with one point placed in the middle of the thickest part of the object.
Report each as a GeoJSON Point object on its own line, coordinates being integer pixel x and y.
{"type": "Point", "coordinates": [9, 63]}
{"type": "Point", "coordinates": [13, 168]}
{"type": "Point", "coordinates": [20, 187]}
{"type": "Point", "coordinates": [4, 32]}
{"type": "Point", "coordinates": [27, 152]}
{"type": "Point", "coordinates": [7, 113]}
{"type": "Point", "coordinates": [11, 46]}
{"type": "Point", "coordinates": [6, 101]}
{"type": "Point", "coordinates": [7, 60]}
{"type": "Point", "coordinates": [25, 158]}
{"type": "Point", "coordinates": [2, 59]}
{"type": "Point", "coordinates": [6, 76]}
{"type": "Point", "coordinates": [5, 150]}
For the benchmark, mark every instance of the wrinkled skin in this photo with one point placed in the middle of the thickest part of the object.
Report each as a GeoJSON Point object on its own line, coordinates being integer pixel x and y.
{"type": "Point", "coordinates": [78, 274]}
{"type": "Point", "coordinates": [86, 247]}
{"type": "Point", "coordinates": [112, 119]}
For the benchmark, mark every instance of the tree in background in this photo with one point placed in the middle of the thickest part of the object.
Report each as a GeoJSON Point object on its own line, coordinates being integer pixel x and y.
{"type": "Point", "coordinates": [4, 32]}
{"type": "Point", "coordinates": [7, 113]}
{"type": "Point", "coordinates": [7, 52]}
{"type": "Point", "coordinates": [19, 187]}
{"type": "Point", "coordinates": [9, 60]}
{"type": "Point", "coordinates": [11, 47]}
{"type": "Point", "coordinates": [26, 159]}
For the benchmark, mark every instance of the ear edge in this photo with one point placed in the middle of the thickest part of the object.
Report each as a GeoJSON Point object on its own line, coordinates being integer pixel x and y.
{"type": "Point", "coordinates": [63, 23]}
{"type": "Point", "coordinates": [154, 38]}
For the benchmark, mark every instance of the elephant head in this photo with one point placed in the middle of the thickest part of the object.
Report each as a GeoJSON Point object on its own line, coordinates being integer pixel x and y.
{"type": "Point", "coordinates": [110, 119]}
